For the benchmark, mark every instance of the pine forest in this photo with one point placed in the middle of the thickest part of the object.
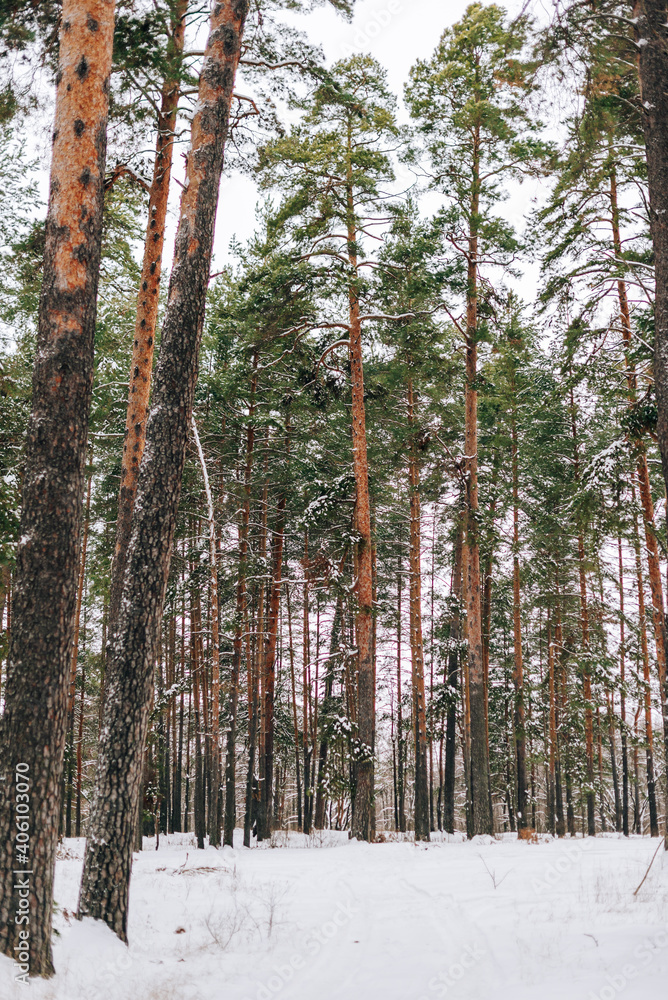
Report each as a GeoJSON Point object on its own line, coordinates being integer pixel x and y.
{"type": "Point", "coordinates": [333, 469]}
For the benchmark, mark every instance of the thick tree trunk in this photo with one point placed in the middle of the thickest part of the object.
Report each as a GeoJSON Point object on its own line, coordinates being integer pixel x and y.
{"type": "Point", "coordinates": [422, 818]}
{"type": "Point", "coordinates": [644, 485]}
{"type": "Point", "coordinates": [362, 827]}
{"type": "Point", "coordinates": [651, 33]}
{"type": "Point", "coordinates": [147, 313]}
{"type": "Point", "coordinates": [482, 819]}
{"type": "Point", "coordinates": [38, 674]}
{"type": "Point", "coordinates": [106, 876]}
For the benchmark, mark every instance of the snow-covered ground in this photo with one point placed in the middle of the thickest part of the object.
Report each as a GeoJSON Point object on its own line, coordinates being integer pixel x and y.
{"type": "Point", "coordinates": [331, 919]}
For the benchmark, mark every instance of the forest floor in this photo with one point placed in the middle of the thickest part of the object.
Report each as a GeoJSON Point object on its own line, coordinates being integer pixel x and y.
{"type": "Point", "coordinates": [326, 918]}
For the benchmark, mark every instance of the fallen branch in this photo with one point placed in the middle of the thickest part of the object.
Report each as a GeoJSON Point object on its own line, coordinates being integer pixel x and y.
{"type": "Point", "coordinates": [648, 868]}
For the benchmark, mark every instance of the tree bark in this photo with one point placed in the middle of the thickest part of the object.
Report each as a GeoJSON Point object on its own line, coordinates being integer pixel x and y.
{"type": "Point", "coordinates": [644, 486]}
{"type": "Point", "coordinates": [362, 822]}
{"type": "Point", "coordinates": [139, 389]}
{"type": "Point", "coordinates": [38, 674]}
{"type": "Point", "coordinates": [651, 34]}
{"type": "Point", "coordinates": [106, 877]}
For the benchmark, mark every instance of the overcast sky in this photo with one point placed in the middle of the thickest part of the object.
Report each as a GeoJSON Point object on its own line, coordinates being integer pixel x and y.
{"type": "Point", "coordinates": [396, 33]}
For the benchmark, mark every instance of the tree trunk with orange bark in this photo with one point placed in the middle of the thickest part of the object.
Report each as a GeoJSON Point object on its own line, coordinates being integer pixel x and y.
{"type": "Point", "coordinates": [141, 367]}
{"type": "Point", "coordinates": [651, 36]}
{"type": "Point", "coordinates": [106, 877]}
{"type": "Point", "coordinates": [482, 818]}
{"type": "Point", "coordinates": [644, 486]}
{"type": "Point", "coordinates": [47, 567]}
{"type": "Point", "coordinates": [362, 819]}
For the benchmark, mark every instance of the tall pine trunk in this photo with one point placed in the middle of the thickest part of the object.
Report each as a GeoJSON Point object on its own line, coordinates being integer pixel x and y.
{"type": "Point", "coordinates": [651, 35]}
{"type": "Point", "coordinates": [363, 815]}
{"type": "Point", "coordinates": [38, 672]}
{"type": "Point", "coordinates": [644, 486]}
{"type": "Point", "coordinates": [146, 319]}
{"type": "Point", "coordinates": [106, 876]}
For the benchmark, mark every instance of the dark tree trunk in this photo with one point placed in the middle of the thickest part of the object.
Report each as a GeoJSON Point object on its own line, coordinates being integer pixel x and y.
{"type": "Point", "coordinates": [106, 877]}
{"type": "Point", "coordinates": [651, 32]}
{"type": "Point", "coordinates": [147, 314]}
{"type": "Point", "coordinates": [38, 674]}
